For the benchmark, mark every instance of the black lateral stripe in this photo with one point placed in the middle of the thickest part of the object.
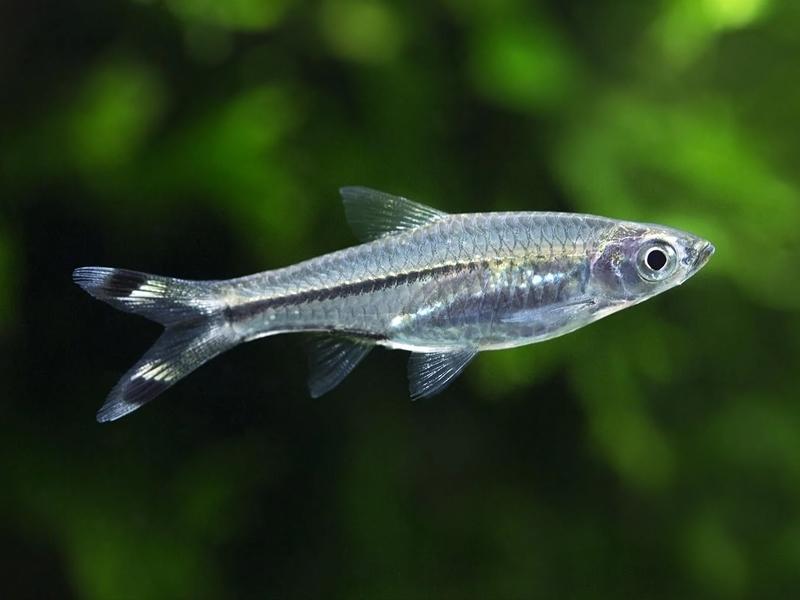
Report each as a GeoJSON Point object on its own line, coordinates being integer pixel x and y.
{"type": "Point", "coordinates": [353, 289]}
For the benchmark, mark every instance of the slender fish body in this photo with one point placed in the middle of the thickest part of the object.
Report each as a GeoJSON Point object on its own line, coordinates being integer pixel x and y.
{"type": "Point", "coordinates": [444, 287]}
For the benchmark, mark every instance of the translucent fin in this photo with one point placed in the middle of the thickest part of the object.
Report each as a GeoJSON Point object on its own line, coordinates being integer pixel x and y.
{"type": "Point", "coordinates": [565, 311]}
{"type": "Point", "coordinates": [331, 359]}
{"type": "Point", "coordinates": [430, 373]}
{"type": "Point", "coordinates": [196, 329]}
{"type": "Point", "coordinates": [165, 300]}
{"type": "Point", "coordinates": [373, 214]}
{"type": "Point", "coordinates": [180, 350]}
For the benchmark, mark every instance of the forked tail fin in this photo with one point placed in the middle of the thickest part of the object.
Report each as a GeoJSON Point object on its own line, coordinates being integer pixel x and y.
{"type": "Point", "coordinates": [196, 329]}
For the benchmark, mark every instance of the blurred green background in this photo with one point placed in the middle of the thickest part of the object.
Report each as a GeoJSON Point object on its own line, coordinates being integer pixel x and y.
{"type": "Point", "coordinates": [655, 454]}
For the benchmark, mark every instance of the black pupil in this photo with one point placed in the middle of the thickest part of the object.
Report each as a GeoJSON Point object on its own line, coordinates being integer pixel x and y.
{"type": "Point", "coordinates": [656, 259]}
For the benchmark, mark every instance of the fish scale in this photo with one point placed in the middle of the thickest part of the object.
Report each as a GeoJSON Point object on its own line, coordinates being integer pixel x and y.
{"type": "Point", "coordinates": [426, 290]}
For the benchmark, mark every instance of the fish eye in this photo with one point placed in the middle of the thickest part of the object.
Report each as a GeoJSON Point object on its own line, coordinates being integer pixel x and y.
{"type": "Point", "coordinates": [656, 261]}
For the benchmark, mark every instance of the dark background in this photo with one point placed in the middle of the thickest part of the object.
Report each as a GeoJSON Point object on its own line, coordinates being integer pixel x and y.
{"type": "Point", "coordinates": [654, 454]}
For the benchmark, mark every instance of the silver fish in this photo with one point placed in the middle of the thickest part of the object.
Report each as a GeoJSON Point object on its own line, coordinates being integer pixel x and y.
{"type": "Point", "coordinates": [443, 287]}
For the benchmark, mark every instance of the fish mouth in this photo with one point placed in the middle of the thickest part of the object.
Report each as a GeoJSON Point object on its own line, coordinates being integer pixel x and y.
{"type": "Point", "coordinates": [704, 251]}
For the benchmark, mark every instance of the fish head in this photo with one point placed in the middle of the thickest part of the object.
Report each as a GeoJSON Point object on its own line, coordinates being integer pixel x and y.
{"type": "Point", "coordinates": [636, 261]}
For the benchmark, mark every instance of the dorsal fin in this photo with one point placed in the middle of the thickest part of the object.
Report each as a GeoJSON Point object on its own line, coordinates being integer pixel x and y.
{"type": "Point", "coordinates": [373, 214]}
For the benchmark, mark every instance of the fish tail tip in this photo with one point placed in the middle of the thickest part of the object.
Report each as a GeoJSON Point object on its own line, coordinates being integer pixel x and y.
{"type": "Point", "coordinates": [129, 395]}
{"type": "Point", "coordinates": [114, 408]}
{"type": "Point", "coordinates": [90, 277]}
{"type": "Point", "coordinates": [103, 416]}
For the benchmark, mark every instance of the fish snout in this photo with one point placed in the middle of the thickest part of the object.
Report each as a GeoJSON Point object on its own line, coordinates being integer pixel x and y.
{"type": "Point", "coordinates": [703, 251]}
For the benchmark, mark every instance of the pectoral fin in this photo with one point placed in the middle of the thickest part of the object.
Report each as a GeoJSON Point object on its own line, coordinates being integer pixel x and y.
{"type": "Point", "coordinates": [430, 373]}
{"type": "Point", "coordinates": [331, 359]}
{"type": "Point", "coordinates": [556, 312]}
{"type": "Point", "coordinates": [373, 214]}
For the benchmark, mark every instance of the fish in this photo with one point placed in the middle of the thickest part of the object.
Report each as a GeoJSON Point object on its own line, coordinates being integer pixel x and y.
{"type": "Point", "coordinates": [441, 286]}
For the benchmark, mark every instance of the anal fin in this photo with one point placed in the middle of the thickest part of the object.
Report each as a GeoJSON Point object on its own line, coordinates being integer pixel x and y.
{"type": "Point", "coordinates": [331, 359]}
{"type": "Point", "coordinates": [430, 373]}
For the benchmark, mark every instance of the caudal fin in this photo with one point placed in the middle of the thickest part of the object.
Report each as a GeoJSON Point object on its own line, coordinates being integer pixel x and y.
{"type": "Point", "coordinates": [196, 330]}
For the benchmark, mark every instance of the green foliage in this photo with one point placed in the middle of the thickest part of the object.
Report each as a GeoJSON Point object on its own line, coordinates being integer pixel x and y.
{"type": "Point", "coordinates": [362, 30]}
{"type": "Point", "coordinates": [523, 66]}
{"type": "Point", "coordinates": [654, 454]}
{"type": "Point", "coordinates": [246, 15]}
{"type": "Point", "coordinates": [110, 119]}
